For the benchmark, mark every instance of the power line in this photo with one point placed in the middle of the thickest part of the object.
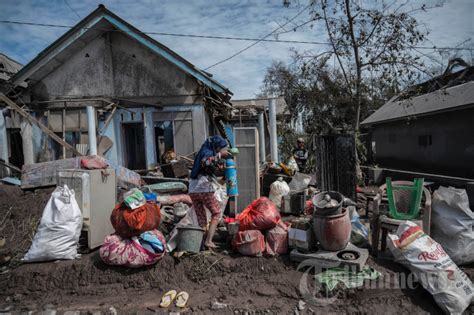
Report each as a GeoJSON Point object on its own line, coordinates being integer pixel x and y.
{"type": "Point", "coordinates": [222, 37]}
{"type": "Point", "coordinates": [259, 40]}
{"type": "Point", "coordinates": [176, 34]}
{"type": "Point", "coordinates": [75, 12]}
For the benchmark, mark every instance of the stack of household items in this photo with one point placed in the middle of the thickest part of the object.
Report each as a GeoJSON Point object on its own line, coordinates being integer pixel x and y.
{"type": "Point", "coordinates": [136, 241]}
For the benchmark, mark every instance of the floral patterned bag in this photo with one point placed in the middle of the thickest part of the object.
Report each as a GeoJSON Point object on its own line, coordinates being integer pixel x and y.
{"type": "Point", "coordinates": [128, 252]}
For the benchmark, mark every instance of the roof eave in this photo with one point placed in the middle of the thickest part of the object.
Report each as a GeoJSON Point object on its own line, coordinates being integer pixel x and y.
{"type": "Point", "coordinates": [93, 18]}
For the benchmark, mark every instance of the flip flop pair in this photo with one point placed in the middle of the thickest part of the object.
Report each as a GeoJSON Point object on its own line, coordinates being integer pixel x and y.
{"type": "Point", "coordinates": [168, 298]}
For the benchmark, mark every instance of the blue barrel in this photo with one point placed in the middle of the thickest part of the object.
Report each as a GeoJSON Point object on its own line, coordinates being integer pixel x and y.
{"type": "Point", "coordinates": [231, 178]}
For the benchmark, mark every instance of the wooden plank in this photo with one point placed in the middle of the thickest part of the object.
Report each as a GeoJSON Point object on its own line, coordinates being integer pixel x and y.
{"type": "Point", "coordinates": [13, 167]}
{"type": "Point", "coordinates": [33, 121]}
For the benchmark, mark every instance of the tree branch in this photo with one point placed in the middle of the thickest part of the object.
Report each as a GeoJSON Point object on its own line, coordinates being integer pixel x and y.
{"type": "Point", "coordinates": [334, 47]}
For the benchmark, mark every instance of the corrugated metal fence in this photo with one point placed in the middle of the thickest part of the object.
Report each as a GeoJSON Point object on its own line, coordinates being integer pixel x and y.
{"type": "Point", "coordinates": [336, 168]}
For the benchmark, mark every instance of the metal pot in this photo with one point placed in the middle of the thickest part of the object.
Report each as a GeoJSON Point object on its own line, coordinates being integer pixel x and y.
{"type": "Point", "coordinates": [323, 207]}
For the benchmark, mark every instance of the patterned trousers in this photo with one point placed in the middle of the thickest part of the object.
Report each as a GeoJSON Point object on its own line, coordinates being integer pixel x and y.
{"type": "Point", "coordinates": [201, 201]}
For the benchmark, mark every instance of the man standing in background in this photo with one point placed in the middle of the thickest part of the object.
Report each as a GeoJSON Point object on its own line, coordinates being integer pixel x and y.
{"type": "Point", "coordinates": [301, 154]}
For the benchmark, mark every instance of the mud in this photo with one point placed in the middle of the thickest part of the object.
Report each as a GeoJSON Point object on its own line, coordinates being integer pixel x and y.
{"type": "Point", "coordinates": [256, 285]}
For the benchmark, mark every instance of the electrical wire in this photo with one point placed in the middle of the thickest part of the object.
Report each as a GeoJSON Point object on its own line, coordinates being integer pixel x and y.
{"type": "Point", "coordinates": [259, 40]}
{"type": "Point", "coordinates": [222, 37]}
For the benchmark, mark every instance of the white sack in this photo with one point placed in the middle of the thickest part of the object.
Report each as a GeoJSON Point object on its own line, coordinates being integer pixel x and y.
{"type": "Point", "coordinates": [452, 224]}
{"type": "Point", "coordinates": [451, 288]}
{"type": "Point", "coordinates": [59, 230]}
{"type": "Point", "coordinates": [278, 189]}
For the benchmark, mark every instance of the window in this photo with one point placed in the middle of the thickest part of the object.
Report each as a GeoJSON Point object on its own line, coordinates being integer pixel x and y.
{"type": "Point", "coordinates": [71, 137]}
{"type": "Point", "coordinates": [424, 140]}
{"type": "Point", "coordinates": [173, 131]}
{"type": "Point", "coordinates": [164, 138]}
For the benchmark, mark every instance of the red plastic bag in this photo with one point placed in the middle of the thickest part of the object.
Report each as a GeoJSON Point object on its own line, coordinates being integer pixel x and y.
{"type": "Point", "coordinates": [133, 222]}
{"type": "Point", "coordinates": [94, 163]}
{"type": "Point", "coordinates": [276, 240]}
{"type": "Point", "coordinates": [261, 214]}
{"type": "Point", "coordinates": [249, 243]}
{"type": "Point", "coordinates": [309, 208]}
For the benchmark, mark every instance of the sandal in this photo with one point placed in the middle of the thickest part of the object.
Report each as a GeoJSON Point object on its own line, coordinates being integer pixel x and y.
{"type": "Point", "coordinates": [182, 299]}
{"type": "Point", "coordinates": [168, 298]}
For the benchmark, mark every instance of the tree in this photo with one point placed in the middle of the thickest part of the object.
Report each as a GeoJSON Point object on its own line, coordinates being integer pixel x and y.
{"type": "Point", "coordinates": [370, 40]}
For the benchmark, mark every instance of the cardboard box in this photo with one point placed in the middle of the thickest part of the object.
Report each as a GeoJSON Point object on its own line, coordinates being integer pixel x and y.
{"type": "Point", "coordinates": [301, 235]}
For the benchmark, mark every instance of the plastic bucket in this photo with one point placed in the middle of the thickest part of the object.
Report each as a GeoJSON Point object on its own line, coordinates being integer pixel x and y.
{"type": "Point", "coordinates": [189, 239]}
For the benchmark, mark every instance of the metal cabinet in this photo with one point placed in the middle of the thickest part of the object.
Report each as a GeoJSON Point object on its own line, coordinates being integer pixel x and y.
{"type": "Point", "coordinates": [95, 192]}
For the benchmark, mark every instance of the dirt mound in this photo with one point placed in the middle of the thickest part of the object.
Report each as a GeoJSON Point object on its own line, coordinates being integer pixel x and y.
{"type": "Point", "coordinates": [256, 285]}
{"type": "Point", "coordinates": [20, 214]}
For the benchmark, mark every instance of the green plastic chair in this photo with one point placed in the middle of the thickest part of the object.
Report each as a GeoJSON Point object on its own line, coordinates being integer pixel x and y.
{"type": "Point", "coordinates": [404, 200]}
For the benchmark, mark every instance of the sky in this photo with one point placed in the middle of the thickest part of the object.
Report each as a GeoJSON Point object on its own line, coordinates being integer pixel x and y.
{"type": "Point", "coordinates": [449, 25]}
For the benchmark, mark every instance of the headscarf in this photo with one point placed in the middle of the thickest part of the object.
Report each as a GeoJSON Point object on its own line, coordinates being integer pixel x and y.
{"type": "Point", "coordinates": [209, 148]}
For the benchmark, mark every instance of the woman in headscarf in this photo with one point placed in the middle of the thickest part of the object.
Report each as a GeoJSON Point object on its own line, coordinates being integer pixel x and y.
{"type": "Point", "coordinates": [209, 159]}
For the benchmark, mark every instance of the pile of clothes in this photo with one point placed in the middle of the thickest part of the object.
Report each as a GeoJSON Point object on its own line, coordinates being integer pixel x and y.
{"type": "Point", "coordinates": [136, 241]}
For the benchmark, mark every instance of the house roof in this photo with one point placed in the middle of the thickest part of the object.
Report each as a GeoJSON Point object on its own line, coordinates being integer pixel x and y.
{"type": "Point", "coordinates": [443, 99]}
{"type": "Point", "coordinates": [8, 67]}
{"type": "Point", "coordinates": [96, 23]}
{"type": "Point", "coordinates": [260, 104]}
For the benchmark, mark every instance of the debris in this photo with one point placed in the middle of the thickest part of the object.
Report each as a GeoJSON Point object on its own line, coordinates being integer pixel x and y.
{"type": "Point", "coordinates": [301, 236]}
{"type": "Point", "coordinates": [175, 169]}
{"type": "Point", "coordinates": [331, 277]}
{"type": "Point", "coordinates": [46, 173]}
{"type": "Point", "coordinates": [359, 232]}
{"type": "Point", "coordinates": [166, 187]}
{"type": "Point", "coordinates": [11, 180]}
{"type": "Point", "coordinates": [218, 305]}
{"type": "Point", "coordinates": [111, 311]}
{"type": "Point", "coordinates": [301, 305]}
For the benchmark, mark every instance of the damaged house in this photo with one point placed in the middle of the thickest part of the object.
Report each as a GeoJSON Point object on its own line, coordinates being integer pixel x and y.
{"type": "Point", "coordinates": [106, 88]}
{"type": "Point", "coordinates": [428, 129]}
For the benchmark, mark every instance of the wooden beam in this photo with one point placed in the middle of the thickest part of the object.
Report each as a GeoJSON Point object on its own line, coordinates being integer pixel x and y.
{"type": "Point", "coordinates": [33, 121]}
{"type": "Point", "coordinates": [13, 167]}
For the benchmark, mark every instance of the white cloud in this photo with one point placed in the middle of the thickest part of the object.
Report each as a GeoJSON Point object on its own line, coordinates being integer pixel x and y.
{"type": "Point", "coordinates": [243, 74]}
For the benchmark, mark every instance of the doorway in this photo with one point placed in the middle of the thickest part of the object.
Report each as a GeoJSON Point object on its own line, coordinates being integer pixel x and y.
{"type": "Point", "coordinates": [134, 139]}
{"type": "Point", "coordinates": [16, 147]}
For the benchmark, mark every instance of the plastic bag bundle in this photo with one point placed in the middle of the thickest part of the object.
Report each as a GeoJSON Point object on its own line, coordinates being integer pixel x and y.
{"type": "Point", "coordinates": [359, 232]}
{"type": "Point", "coordinates": [261, 214]}
{"type": "Point", "coordinates": [134, 198]}
{"type": "Point", "coordinates": [59, 230]}
{"type": "Point", "coordinates": [453, 224]}
{"type": "Point", "coordinates": [276, 240]}
{"type": "Point", "coordinates": [130, 252]}
{"type": "Point", "coordinates": [249, 243]}
{"type": "Point", "coordinates": [133, 222]}
{"type": "Point", "coordinates": [451, 288]}
{"type": "Point", "coordinates": [278, 189]}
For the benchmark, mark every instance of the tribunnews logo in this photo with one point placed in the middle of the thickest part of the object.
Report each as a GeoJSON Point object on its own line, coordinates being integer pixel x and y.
{"type": "Point", "coordinates": [313, 292]}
